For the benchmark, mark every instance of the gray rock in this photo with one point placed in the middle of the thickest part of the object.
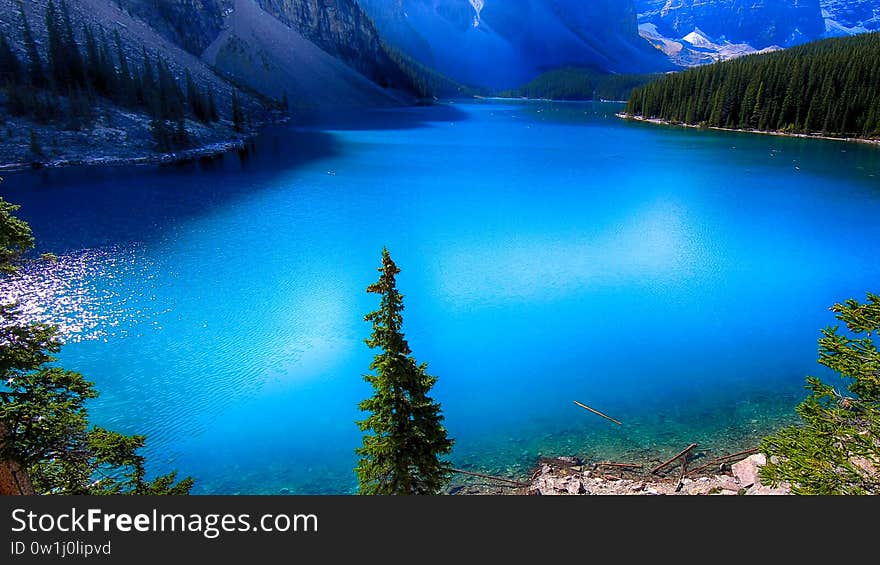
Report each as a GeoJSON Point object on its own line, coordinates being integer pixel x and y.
{"type": "Point", "coordinates": [746, 471]}
{"type": "Point", "coordinates": [576, 486]}
{"type": "Point", "coordinates": [781, 489]}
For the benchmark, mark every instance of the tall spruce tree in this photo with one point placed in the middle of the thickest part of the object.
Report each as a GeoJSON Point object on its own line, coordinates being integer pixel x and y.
{"type": "Point", "coordinates": [237, 113]}
{"type": "Point", "coordinates": [73, 57]}
{"type": "Point", "coordinates": [10, 66]}
{"type": "Point", "coordinates": [837, 448]}
{"type": "Point", "coordinates": [56, 55]}
{"type": "Point", "coordinates": [405, 439]}
{"type": "Point", "coordinates": [36, 75]}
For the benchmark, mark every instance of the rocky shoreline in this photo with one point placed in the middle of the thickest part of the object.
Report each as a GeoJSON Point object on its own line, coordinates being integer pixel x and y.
{"type": "Point", "coordinates": [661, 122]}
{"type": "Point", "coordinates": [116, 137]}
{"type": "Point", "coordinates": [569, 476]}
{"type": "Point", "coordinates": [210, 150]}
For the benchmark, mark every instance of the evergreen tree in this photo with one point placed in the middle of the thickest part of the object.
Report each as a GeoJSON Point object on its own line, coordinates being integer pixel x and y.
{"type": "Point", "coordinates": [36, 74]}
{"type": "Point", "coordinates": [830, 87]}
{"type": "Point", "coordinates": [56, 58]}
{"type": "Point", "coordinates": [35, 148]}
{"type": "Point", "coordinates": [73, 58]}
{"type": "Point", "coordinates": [212, 107]}
{"type": "Point", "coordinates": [147, 82]}
{"type": "Point", "coordinates": [237, 113]}
{"type": "Point", "coordinates": [10, 66]}
{"type": "Point", "coordinates": [92, 60]}
{"type": "Point", "coordinates": [15, 237]}
{"type": "Point", "coordinates": [836, 450]}
{"type": "Point", "coordinates": [405, 435]}
{"type": "Point", "coordinates": [127, 86]}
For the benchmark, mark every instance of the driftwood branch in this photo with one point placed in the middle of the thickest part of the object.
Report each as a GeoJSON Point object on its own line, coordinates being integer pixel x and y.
{"type": "Point", "coordinates": [723, 459]}
{"type": "Point", "coordinates": [596, 412]}
{"type": "Point", "coordinates": [619, 465]}
{"type": "Point", "coordinates": [489, 477]}
{"type": "Point", "coordinates": [684, 453]}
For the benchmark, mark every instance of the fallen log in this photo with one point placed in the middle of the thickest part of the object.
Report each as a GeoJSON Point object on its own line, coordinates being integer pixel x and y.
{"type": "Point", "coordinates": [596, 412]}
{"type": "Point", "coordinates": [619, 465]}
{"type": "Point", "coordinates": [489, 477]}
{"type": "Point", "coordinates": [684, 452]}
{"type": "Point", "coordinates": [723, 459]}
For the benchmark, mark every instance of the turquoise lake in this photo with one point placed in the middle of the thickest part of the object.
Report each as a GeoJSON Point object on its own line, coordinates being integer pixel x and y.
{"type": "Point", "coordinates": [673, 278]}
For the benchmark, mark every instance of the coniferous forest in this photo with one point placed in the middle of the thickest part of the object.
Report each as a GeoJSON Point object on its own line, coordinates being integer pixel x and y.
{"type": "Point", "coordinates": [573, 83]}
{"type": "Point", "coordinates": [63, 84]}
{"type": "Point", "coordinates": [829, 87]}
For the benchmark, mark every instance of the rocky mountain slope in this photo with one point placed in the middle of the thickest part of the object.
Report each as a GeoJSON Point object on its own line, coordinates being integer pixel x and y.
{"type": "Point", "coordinates": [846, 17]}
{"type": "Point", "coordinates": [696, 32]}
{"type": "Point", "coordinates": [258, 38]}
{"type": "Point", "coordinates": [264, 53]}
{"type": "Point", "coordinates": [115, 133]}
{"type": "Point", "coordinates": [318, 55]}
{"type": "Point", "coordinates": [759, 23]}
{"type": "Point", "coordinates": [505, 43]}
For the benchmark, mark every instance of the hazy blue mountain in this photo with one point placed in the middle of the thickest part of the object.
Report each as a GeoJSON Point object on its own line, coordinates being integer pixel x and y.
{"type": "Point", "coordinates": [338, 27]}
{"type": "Point", "coordinates": [846, 17]}
{"type": "Point", "coordinates": [505, 43]}
{"type": "Point", "coordinates": [759, 23]}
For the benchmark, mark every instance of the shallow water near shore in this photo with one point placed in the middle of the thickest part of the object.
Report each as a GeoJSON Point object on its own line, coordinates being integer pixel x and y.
{"type": "Point", "coordinates": [675, 279]}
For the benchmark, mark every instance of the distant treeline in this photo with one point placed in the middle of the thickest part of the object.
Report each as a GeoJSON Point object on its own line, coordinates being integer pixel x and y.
{"type": "Point", "coordinates": [830, 87]}
{"type": "Point", "coordinates": [63, 84]}
{"type": "Point", "coordinates": [574, 83]}
{"type": "Point", "coordinates": [426, 82]}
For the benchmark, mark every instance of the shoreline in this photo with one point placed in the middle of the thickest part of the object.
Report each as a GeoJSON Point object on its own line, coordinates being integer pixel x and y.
{"type": "Point", "coordinates": [527, 99]}
{"type": "Point", "coordinates": [735, 474]}
{"type": "Point", "coordinates": [209, 150]}
{"type": "Point", "coordinates": [662, 122]}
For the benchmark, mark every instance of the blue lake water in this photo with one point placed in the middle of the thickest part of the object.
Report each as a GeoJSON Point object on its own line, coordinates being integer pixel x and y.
{"type": "Point", "coordinates": [675, 279]}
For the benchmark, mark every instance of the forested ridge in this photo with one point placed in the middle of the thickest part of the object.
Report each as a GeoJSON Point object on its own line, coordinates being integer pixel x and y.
{"type": "Point", "coordinates": [575, 83]}
{"type": "Point", "coordinates": [68, 79]}
{"type": "Point", "coordinates": [829, 87]}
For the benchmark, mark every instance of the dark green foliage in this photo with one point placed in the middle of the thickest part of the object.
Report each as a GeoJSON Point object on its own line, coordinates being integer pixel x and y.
{"type": "Point", "coordinates": [128, 84]}
{"type": "Point", "coordinates": [55, 57]}
{"type": "Point", "coordinates": [575, 83]}
{"type": "Point", "coordinates": [829, 87]}
{"type": "Point", "coordinates": [15, 237]}
{"type": "Point", "coordinates": [35, 148]}
{"type": "Point", "coordinates": [837, 448]}
{"type": "Point", "coordinates": [200, 104]}
{"type": "Point", "coordinates": [405, 435]}
{"type": "Point", "coordinates": [36, 76]}
{"type": "Point", "coordinates": [10, 67]}
{"type": "Point", "coordinates": [73, 58]}
{"type": "Point", "coordinates": [212, 107]}
{"type": "Point", "coordinates": [425, 82]}
{"type": "Point", "coordinates": [66, 88]}
{"type": "Point", "coordinates": [237, 113]}
{"type": "Point", "coordinates": [44, 424]}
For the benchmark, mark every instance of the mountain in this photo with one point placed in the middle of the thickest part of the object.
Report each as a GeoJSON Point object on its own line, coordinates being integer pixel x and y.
{"type": "Point", "coordinates": [759, 23]}
{"type": "Point", "coordinates": [105, 114]}
{"type": "Point", "coordinates": [829, 87]}
{"type": "Point", "coordinates": [725, 29]}
{"type": "Point", "coordinates": [506, 43]}
{"type": "Point", "coordinates": [124, 80]}
{"type": "Point", "coordinates": [283, 46]}
{"type": "Point", "coordinates": [848, 17]}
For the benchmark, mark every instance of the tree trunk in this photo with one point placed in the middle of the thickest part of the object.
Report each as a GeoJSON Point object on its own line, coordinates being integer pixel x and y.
{"type": "Point", "coordinates": [14, 479]}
